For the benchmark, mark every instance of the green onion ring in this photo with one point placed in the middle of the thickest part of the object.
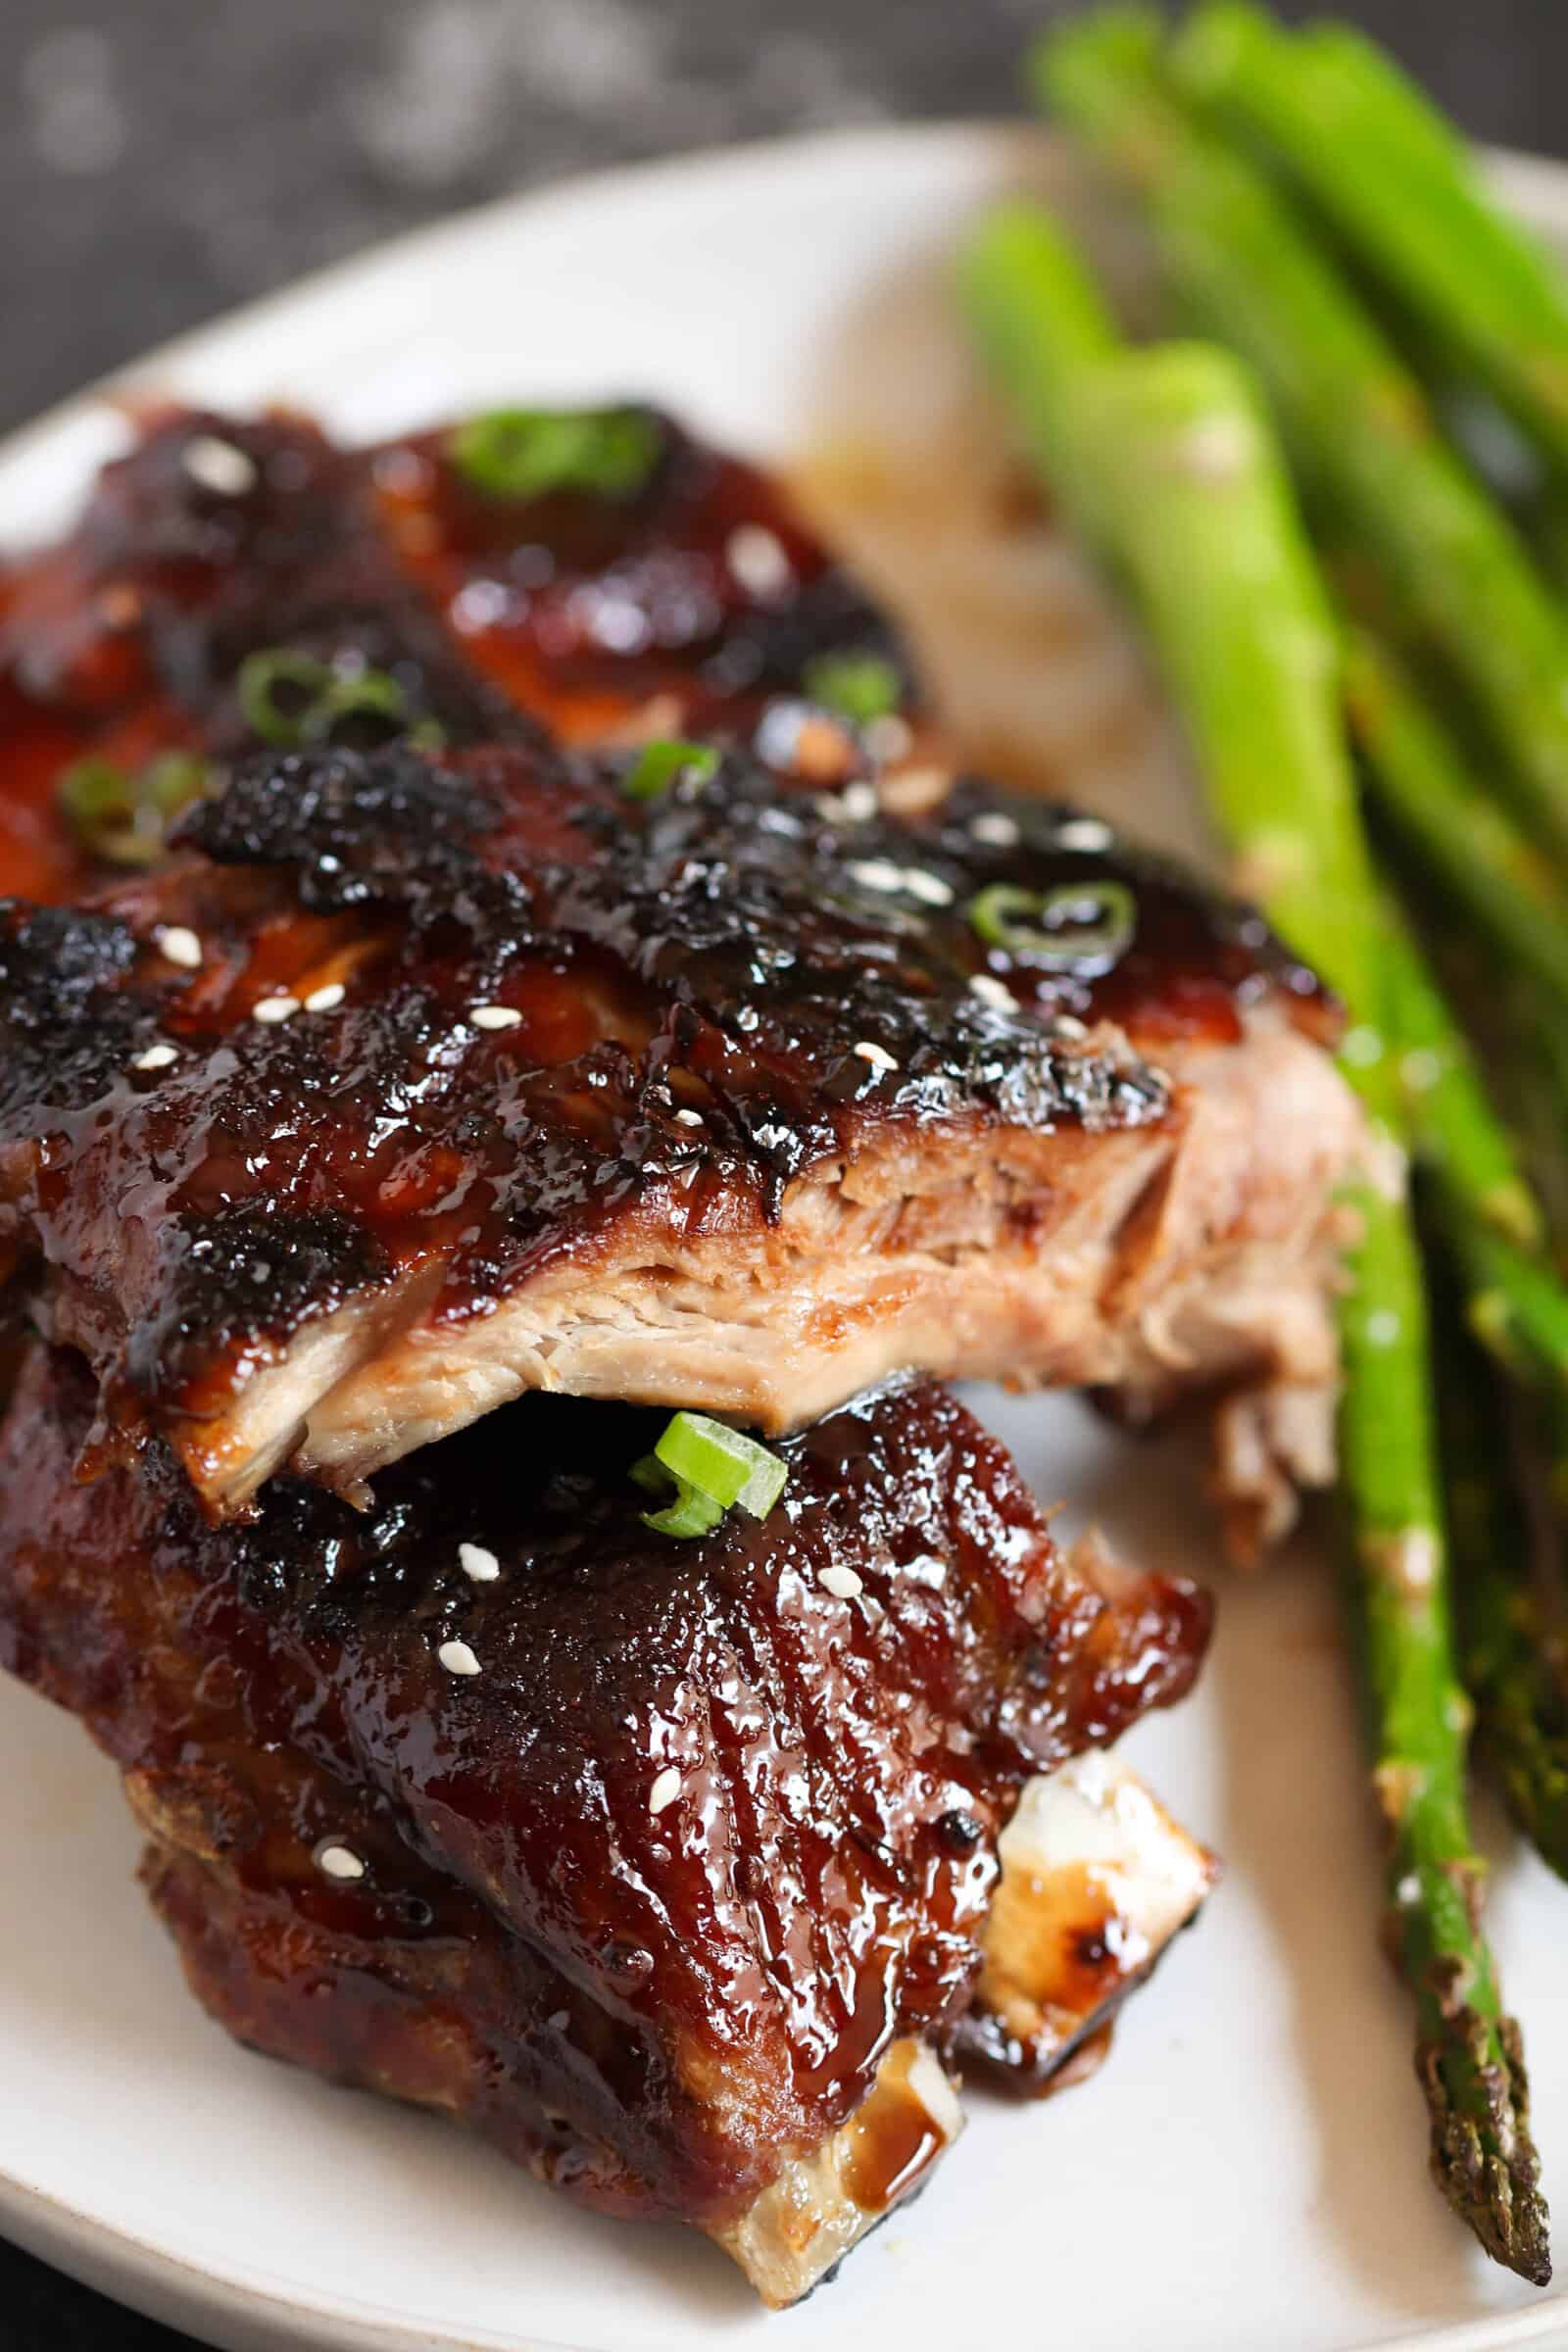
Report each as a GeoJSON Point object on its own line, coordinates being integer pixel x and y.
{"type": "Point", "coordinates": [713, 1468]}
{"type": "Point", "coordinates": [1050, 927]}
{"type": "Point", "coordinates": [259, 677]}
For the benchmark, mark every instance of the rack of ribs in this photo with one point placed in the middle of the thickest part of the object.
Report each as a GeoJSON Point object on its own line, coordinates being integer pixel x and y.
{"type": "Point", "coordinates": [450, 1090]}
{"type": "Point", "coordinates": [664, 1866]}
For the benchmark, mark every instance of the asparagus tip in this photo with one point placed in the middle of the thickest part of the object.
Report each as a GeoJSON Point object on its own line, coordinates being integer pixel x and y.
{"type": "Point", "coordinates": [1483, 2159]}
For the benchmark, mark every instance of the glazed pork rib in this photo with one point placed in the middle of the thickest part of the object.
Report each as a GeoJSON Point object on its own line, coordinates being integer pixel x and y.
{"type": "Point", "coordinates": [420, 1080]}
{"type": "Point", "coordinates": [664, 1866]}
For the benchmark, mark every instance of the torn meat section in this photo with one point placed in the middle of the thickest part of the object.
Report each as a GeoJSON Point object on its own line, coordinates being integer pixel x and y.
{"type": "Point", "coordinates": [645, 1859]}
{"type": "Point", "coordinates": [421, 1081]}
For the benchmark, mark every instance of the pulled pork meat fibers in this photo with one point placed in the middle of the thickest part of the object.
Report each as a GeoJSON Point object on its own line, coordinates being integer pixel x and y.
{"type": "Point", "coordinates": [667, 1866]}
{"type": "Point", "coordinates": [420, 1079]}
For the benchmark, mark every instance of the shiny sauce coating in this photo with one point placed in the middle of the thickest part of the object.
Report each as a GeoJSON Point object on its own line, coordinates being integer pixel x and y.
{"type": "Point", "coordinates": [655, 1864]}
{"type": "Point", "coordinates": [483, 1012]}
{"type": "Point", "coordinates": [217, 538]}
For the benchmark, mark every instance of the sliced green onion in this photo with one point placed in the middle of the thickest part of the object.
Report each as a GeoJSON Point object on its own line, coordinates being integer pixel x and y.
{"type": "Point", "coordinates": [95, 796]}
{"type": "Point", "coordinates": [172, 782]}
{"type": "Point", "coordinates": [317, 699]}
{"type": "Point", "coordinates": [692, 1513]}
{"type": "Point", "coordinates": [527, 453]}
{"type": "Point", "coordinates": [859, 687]}
{"type": "Point", "coordinates": [765, 1486]}
{"type": "Point", "coordinates": [708, 1456]}
{"type": "Point", "coordinates": [722, 1462]}
{"type": "Point", "coordinates": [711, 1467]}
{"type": "Point", "coordinates": [373, 693]}
{"type": "Point", "coordinates": [259, 678]}
{"type": "Point", "coordinates": [658, 765]}
{"type": "Point", "coordinates": [685, 1509]}
{"type": "Point", "coordinates": [121, 817]}
{"type": "Point", "coordinates": [428, 736]}
{"type": "Point", "coordinates": [1078, 922]}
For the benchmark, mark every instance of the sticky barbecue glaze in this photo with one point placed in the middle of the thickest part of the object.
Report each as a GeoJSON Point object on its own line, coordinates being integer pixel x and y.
{"type": "Point", "coordinates": [600, 615]}
{"type": "Point", "coordinates": [704, 588]}
{"type": "Point", "coordinates": [706, 996]}
{"type": "Point", "coordinates": [653, 2008]}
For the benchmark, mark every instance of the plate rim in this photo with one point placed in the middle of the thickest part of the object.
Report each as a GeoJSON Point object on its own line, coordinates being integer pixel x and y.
{"type": "Point", "coordinates": [137, 377]}
{"type": "Point", "coordinates": [120, 2261]}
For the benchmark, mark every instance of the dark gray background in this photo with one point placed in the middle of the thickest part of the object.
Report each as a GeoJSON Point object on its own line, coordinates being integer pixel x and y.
{"type": "Point", "coordinates": [160, 160]}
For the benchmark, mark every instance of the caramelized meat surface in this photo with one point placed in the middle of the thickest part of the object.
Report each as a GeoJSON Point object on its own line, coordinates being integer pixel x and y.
{"type": "Point", "coordinates": [638, 1857]}
{"type": "Point", "coordinates": [419, 1081]}
{"type": "Point", "coordinates": [694, 599]}
{"type": "Point", "coordinates": [689, 604]}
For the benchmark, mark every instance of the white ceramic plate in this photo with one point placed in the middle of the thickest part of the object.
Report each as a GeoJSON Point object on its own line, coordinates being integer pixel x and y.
{"type": "Point", "coordinates": [1248, 2169]}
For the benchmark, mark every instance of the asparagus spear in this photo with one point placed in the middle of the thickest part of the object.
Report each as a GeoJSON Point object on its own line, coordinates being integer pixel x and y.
{"type": "Point", "coordinates": [1520, 1691]}
{"type": "Point", "coordinates": [1196, 458]}
{"type": "Point", "coordinates": [1488, 1214]}
{"type": "Point", "coordinates": [1446, 1108]}
{"type": "Point", "coordinates": [1356, 421]}
{"type": "Point", "coordinates": [1425, 786]}
{"type": "Point", "coordinates": [1402, 190]}
{"type": "Point", "coordinates": [1166, 458]}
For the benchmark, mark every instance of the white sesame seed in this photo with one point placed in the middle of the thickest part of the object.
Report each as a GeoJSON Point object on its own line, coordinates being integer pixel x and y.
{"type": "Point", "coordinates": [1362, 1046]}
{"type": "Point", "coordinates": [156, 1058]}
{"type": "Point", "coordinates": [996, 830]}
{"type": "Point", "coordinates": [842, 1582]}
{"type": "Point", "coordinates": [480, 604]}
{"type": "Point", "coordinates": [665, 1789]}
{"type": "Point", "coordinates": [858, 801]}
{"type": "Point", "coordinates": [993, 992]}
{"type": "Point", "coordinates": [930, 887]}
{"type": "Point", "coordinates": [324, 1000]}
{"type": "Point", "coordinates": [495, 1016]}
{"type": "Point", "coordinates": [482, 1566]}
{"type": "Point", "coordinates": [1421, 1069]}
{"type": "Point", "coordinates": [179, 945]}
{"type": "Point", "coordinates": [219, 465]}
{"type": "Point", "coordinates": [1067, 1024]}
{"type": "Point", "coordinates": [1409, 1890]}
{"type": "Point", "coordinates": [336, 1861]}
{"type": "Point", "coordinates": [688, 1118]}
{"type": "Point", "coordinates": [1383, 1328]}
{"type": "Point", "coordinates": [888, 737]}
{"type": "Point", "coordinates": [272, 1010]}
{"type": "Point", "coordinates": [778, 733]}
{"type": "Point", "coordinates": [877, 1055]}
{"type": "Point", "coordinates": [758, 558]}
{"type": "Point", "coordinates": [458, 1658]}
{"type": "Point", "coordinates": [876, 874]}
{"type": "Point", "coordinates": [1083, 833]}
